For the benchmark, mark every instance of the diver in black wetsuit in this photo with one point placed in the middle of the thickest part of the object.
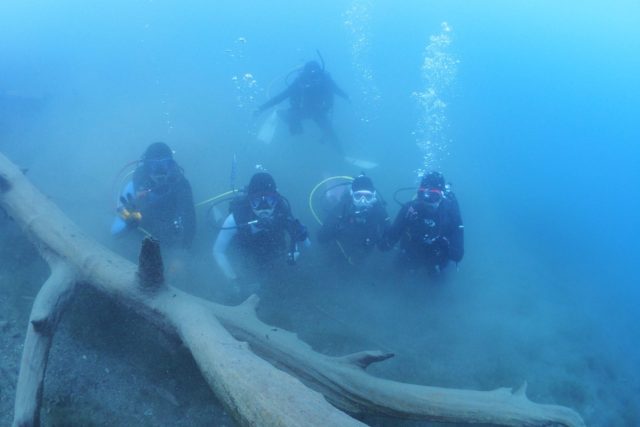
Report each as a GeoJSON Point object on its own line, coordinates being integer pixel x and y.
{"type": "Point", "coordinates": [429, 227]}
{"type": "Point", "coordinates": [158, 200]}
{"type": "Point", "coordinates": [358, 222]}
{"type": "Point", "coordinates": [259, 220]}
{"type": "Point", "coordinates": [310, 97]}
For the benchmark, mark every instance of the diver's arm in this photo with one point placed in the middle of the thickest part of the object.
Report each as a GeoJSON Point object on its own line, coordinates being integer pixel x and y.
{"type": "Point", "coordinates": [222, 243]}
{"type": "Point", "coordinates": [456, 235]}
{"type": "Point", "coordinates": [297, 233]}
{"type": "Point", "coordinates": [336, 89]}
{"type": "Point", "coordinates": [393, 233]}
{"type": "Point", "coordinates": [275, 100]}
{"type": "Point", "coordinates": [119, 225]}
{"type": "Point", "coordinates": [383, 225]}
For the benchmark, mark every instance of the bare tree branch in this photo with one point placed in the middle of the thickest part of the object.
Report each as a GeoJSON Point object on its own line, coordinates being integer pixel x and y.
{"type": "Point", "coordinates": [253, 391]}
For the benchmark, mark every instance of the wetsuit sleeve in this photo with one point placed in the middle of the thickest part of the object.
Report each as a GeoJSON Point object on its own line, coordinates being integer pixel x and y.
{"type": "Point", "coordinates": [383, 225]}
{"type": "Point", "coordinates": [221, 245]}
{"type": "Point", "coordinates": [394, 232]}
{"type": "Point", "coordinates": [276, 99]}
{"type": "Point", "coordinates": [336, 89]}
{"type": "Point", "coordinates": [187, 213]}
{"type": "Point", "coordinates": [456, 233]}
{"type": "Point", "coordinates": [119, 225]}
{"type": "Point", "coordinates": [297, 232]}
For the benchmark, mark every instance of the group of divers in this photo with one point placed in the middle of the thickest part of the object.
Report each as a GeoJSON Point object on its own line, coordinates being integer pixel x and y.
{"type": "Point", "coordinates": [157, 200]}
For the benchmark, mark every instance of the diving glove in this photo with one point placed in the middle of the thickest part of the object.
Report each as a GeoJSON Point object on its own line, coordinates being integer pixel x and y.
{"type": "Point", "coordinates": [293, 256]}
{"type": "Point", "coordinates": [128, 210]}
{"type": "Point", "coordinates": [441, 247]}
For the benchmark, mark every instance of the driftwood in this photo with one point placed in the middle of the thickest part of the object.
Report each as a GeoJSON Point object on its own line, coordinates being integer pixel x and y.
{"type": "Point", "coordinates": [251, 389]}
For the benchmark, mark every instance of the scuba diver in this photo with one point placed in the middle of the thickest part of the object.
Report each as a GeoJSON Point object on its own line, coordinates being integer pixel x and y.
{"type": "Point", "coordinates": [259, 219]}
{"type": "Point", "coordinates": [310, 97]}
{"type": "Point", "coordinates": [429, 227]}
{"type": "Point", "coordinates": [358, 222]}
{"type": "Point", "coordinates": [158, 200]}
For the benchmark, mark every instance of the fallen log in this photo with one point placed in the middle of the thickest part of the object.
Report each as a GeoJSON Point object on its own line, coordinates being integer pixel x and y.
{"type": "Point", "coordinates": [253, 391]}
{"type": "Point", "coordinates": [45, 315]}
{"type": "Point", "coordinates": [344, 382]}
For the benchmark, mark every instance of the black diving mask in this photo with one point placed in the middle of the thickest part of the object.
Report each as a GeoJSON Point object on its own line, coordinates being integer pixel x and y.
{"type": "Point", "coordinates": [264, 201]}
{"type": "Point", "coordinates": [430, 195]}
{"type": "Point", "coordinates": [159, 166]}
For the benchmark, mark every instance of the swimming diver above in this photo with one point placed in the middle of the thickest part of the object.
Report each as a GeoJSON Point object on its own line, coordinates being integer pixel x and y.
{"type": "Point", "coordinates": [310, 97]}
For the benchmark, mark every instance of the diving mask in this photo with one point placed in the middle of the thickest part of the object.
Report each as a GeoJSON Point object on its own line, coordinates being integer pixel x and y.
{"type": "Point", "coordinates": [159, 169]}
{"type": "Point", "coordinates": [264, 201]}
{"type": "Point", "coordinates": [431, 195]}
{"type": "Point", "coordinates": [363, 198]}
{"type": "Point", "coordinates": [264, 204]}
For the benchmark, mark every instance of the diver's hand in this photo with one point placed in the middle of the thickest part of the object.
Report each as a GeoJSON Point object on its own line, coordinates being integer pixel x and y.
{"type": "Point", "coordinates": [438, 241]}
{"type": "Point", "coordinates": [441, 247]}
{"type": "Point", "coordinates": [294, 254]}
{"type": "Point", "coordinates": [442, 242]}
{"type": "Point", "coordinates": [292, 257]}
{"type": "Point", "coordinates": [128, 211]}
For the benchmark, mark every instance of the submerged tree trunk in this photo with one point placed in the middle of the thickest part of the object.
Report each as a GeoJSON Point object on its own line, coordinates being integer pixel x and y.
{"type": "Point", "coordinates": [253, 391]}
{"type": "Point", "coordinates": [45, 314]}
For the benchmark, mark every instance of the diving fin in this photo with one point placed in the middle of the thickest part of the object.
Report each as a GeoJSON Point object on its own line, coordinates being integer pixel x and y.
{"type": "Point", "coordinates": [361, 163]}
{"type": "Point", "coordinates": [268, 129]}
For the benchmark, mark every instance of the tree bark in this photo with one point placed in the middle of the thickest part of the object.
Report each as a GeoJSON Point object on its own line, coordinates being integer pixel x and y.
{"type": "Point", "coordinates": [253, 391]}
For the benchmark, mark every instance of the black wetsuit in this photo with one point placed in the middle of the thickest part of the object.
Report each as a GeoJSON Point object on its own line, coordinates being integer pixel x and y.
{"type": "Point", "coordinates": [357, 230]}
{"type": "Point", "coordinates": [168, 211]}
{"type": "Point", "coordinates": [429, 236]}
{"type": "Point", "coordinates": [265, 240]}
{"type": "Point", "coordinates": [310, 97]}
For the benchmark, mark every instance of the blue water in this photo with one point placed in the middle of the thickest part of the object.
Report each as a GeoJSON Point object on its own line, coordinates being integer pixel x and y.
{"type": "Point", "coordinates": [539, 136]}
